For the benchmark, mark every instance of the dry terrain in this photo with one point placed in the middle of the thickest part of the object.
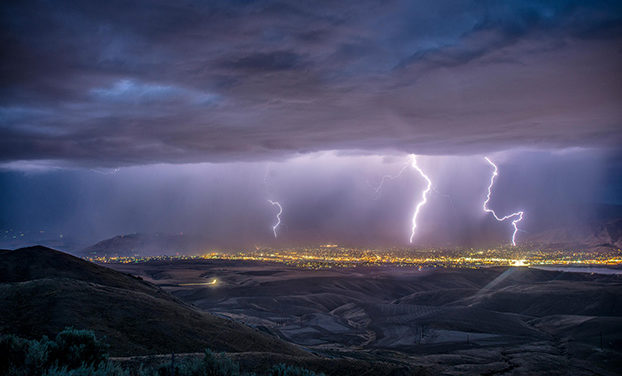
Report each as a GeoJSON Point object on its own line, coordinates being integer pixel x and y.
{"type": "Point", "coordinates": [484, 321]}
{"type": "Point", "coordinates": [353, 321]}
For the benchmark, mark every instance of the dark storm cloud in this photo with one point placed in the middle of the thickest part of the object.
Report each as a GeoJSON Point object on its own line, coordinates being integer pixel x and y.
{"type": "Point", "coordinates": [272, 61]}
{"type": "Point", "coordinates": [116, 83]}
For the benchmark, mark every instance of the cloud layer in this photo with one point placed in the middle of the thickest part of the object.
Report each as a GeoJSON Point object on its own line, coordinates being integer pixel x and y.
{"type": "Point", "coordinates": [104, 83]}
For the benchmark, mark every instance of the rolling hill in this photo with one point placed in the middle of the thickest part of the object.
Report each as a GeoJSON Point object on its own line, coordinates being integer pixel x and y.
{"type": "Point", "coordinates": [43, 291]}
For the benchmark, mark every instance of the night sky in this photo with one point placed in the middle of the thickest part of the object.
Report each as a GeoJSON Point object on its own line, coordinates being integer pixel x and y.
{"type": "Point", "coordinates": [178, 116]}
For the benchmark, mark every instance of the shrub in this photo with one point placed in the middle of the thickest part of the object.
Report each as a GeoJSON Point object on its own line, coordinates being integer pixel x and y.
{"type": "Point", "coordinates": [219, 366]}
{"type": "Point", "coordinates": [19, 356]}
{"type": "Point", "coordinates": [79, 353]}
{"type": "Point", "coordinates": [210, 365]}
{"type": "Point", "coordinates": [38, 354]}
{"type": "Point", "coordinates": [13, 352]}
{"type": "Point", "coordinates": [73, 348]}
{"type": "Point", "coordinates": [102, 369]}
{"type": "Point", "coordinates": [288, 370]}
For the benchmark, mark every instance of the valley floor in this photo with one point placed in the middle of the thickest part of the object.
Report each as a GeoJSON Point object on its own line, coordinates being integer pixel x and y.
{"type": "Point", "coordinates": [490, 321]}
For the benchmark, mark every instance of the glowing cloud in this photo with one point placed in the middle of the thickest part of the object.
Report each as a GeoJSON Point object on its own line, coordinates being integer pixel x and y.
{"type": "Point", "coordinates": [518, 216]}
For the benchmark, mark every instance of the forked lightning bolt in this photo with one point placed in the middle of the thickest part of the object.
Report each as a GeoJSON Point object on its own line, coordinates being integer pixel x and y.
{"type": "Point", "coordinates": [424, 195]}
{"type": "Point", "coordinates": [389, 177]}
{"type": "Point", "coordinates": [518, 216]}
{"type": "Point", "coordinates": [278, 215]}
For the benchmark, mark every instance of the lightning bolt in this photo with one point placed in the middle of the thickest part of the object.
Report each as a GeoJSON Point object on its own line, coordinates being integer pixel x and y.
{"type": "Point", "coordinates": [388, 177]}
{"type": "Point", "coordinates": [518, 216]}
{"type": "Point", "coordinates": [106, 172]}
{"type": "Point", "coordinates": [278, 215]}
{"type": "Point", "coordinates": [424, 195]}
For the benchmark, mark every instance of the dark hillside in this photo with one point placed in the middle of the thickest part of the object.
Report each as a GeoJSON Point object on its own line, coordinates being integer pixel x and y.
{"type": "Point", "coordinates": [44, 291]}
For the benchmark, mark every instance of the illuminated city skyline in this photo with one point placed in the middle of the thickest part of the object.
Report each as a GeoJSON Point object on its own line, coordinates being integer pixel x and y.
{"type": "Point", "coordinates": [339, 257]}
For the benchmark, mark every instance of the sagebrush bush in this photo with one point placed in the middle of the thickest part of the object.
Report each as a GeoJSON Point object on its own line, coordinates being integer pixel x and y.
{"type": "Point", "coordinates": [76, 352]}
{"type": "Point", "coordinates": [71, 350]}
{"type": "Point", "coordinates": [13, 353]}
{"type": "Point", "coordinates": [289, 370]}
{"type": "Point", "coordinates": [73, 347]}
{"type": "Point", "coordinates": [210, 365]}
{"type": "Point", "coordinates": [219, 366]}
{"type": "Point", "coordinates": [102, 369]}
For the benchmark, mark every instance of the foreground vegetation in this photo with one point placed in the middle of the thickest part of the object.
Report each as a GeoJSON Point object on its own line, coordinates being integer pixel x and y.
{"type": "Point", "coordinates": [80, 353]}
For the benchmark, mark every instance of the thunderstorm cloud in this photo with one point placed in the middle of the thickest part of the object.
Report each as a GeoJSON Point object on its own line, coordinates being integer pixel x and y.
{"type": "Point", "coordinates": [111, 83]}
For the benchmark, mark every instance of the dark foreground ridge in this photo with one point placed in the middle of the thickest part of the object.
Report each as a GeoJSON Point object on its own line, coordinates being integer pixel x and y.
{"type": "Point", "coordinates": [43, 291]}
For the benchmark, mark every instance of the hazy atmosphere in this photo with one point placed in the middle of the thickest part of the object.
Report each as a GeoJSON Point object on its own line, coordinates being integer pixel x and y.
{"type": "Point", "coordinates": [326, 197]}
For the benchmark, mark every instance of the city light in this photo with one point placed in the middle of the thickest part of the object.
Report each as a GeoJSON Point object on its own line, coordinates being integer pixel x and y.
{"type": "Point", "coordinates": [322, 257]}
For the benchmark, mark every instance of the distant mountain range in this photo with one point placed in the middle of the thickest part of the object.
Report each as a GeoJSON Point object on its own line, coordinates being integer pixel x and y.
{"type": "Point", "coordinates": [588, 236]}
{"type": "Point", "coordinates": [145, 245]}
